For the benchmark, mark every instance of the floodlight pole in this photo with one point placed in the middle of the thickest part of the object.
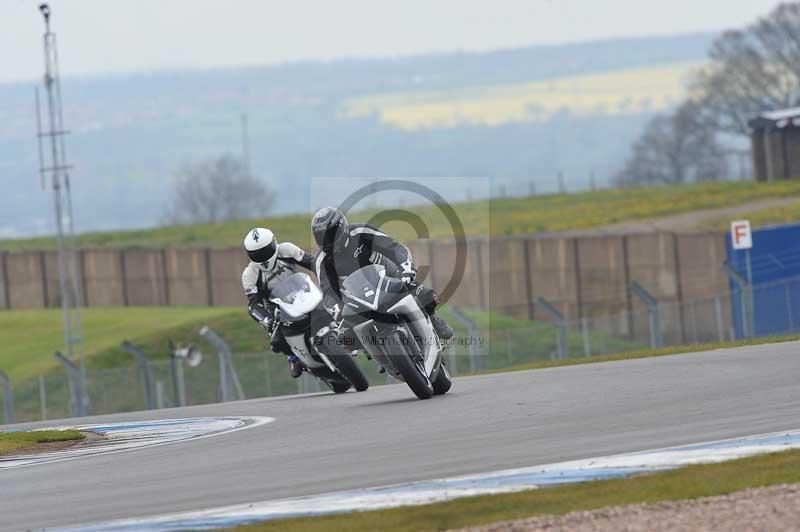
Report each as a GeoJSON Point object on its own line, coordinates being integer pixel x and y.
{"type": "Point", "coordinates": [57, 169]}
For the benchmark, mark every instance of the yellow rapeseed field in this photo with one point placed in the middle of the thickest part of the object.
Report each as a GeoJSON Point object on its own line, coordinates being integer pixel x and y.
{"type": "Point", "coordinates": [627, 91]}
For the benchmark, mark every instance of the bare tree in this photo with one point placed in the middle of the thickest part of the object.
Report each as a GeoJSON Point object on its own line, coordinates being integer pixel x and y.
{"type": "Point", "coordinates": [675, 149]}
{"type": "Point", "coordinates": [217, 190]}
{"type": "Point", "coordinates": [752, 70]}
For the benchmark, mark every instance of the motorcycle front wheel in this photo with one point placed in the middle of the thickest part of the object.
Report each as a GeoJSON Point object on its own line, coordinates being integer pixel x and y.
{"type": "Point", "coordinates": [413, 375]}
{"type": "Point", "coordinates": [442, 383]}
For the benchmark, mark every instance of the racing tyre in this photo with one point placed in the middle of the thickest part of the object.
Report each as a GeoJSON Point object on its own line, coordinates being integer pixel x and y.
{"type": "Point", "coordinates": [413, 376]}
{"type": "Point", "coordinates": [442, 383]}
{"type": "Point", "coordinates": [348, 367]}
{"type": "Point", "coordinates": [338, 387]}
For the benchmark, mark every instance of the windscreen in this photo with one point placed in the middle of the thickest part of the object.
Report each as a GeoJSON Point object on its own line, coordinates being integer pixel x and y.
{"type": "Point", "coordinates": [366, 277]}
{"type": "Point", "coordinates": [288, 289]}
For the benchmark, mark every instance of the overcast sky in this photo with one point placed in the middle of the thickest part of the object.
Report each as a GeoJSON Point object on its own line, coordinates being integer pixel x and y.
{"type": "Point", "coordinates": [106, 36]}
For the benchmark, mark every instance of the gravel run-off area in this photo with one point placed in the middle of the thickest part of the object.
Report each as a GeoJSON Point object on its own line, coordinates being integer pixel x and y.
{"type": "Point", "coordinates": [775, 508]}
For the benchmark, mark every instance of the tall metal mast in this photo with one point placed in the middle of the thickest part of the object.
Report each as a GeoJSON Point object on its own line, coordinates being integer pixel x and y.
{"type": "Point", "coordinates": [53, 163]}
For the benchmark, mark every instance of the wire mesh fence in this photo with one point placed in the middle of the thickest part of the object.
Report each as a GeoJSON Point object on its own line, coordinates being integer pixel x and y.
{"type": "Point", "coordinates": [769, 309]}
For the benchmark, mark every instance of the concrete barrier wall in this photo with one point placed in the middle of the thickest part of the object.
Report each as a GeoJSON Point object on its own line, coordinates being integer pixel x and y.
{"type": "Point", "coordinates": [188, 278]}
{"type": "Point", "coordinates": [584, 278]}
{"type": "Point", "coordinates": [506, 275]}
{"type": "Point", "coordinates": [701, 280]}
{"type": "Point", "coordinates": [145, 277]}
{"type": "Point", "coordinates": [652, 262]}
{"type": "Point", "coordinates": [554, 276]}
{"type": "Point", "coordinates": [26, 282]}
{"type": "Point", "coordinates": [226, 267]}
{"type": "Point", "coordinates": [103, 278]}
{"type": "Point", "coordinates": [603, 288]}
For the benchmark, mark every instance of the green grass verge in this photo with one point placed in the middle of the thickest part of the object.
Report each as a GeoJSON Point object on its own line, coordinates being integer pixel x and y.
{"type": "Point", "coordinates": [759, 218]}
{"type": "Point", "coordinates": [648, 353]}
{"type": "Point", "coordinates": [14, 442]}
{"type": "Point", "coordinates": [555, 212]}
{"type": "Point", "coordinates": [685, 483]}
{"type": "Point", "coordinates": [31, 336]}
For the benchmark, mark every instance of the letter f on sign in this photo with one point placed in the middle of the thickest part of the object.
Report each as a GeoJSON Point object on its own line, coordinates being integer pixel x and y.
{"type": "Point", "coordinates": [741, 235]}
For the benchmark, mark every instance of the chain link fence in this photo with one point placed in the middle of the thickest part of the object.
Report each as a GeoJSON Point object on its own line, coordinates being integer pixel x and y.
{"type": "Point", "coordinates": [766, 310]}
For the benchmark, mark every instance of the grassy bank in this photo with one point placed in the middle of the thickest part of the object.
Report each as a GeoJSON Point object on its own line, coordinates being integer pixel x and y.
{"type": "Point", "coordinates": [648, 353]}
{"type": "Point", "coordinates": [554, 212]}
{"type": "Point", "coordinates": [31, 336]}
{"type": "Point", "coordinates": [14, 442]}
{"type": "Point", "coordinates": [783, 214]}
{"type": "Point", "coordinates": [685, 483]}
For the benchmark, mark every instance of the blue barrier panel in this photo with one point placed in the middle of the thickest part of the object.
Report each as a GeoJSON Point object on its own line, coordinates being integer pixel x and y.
{"type": "Point", "coordinates": [775, 263]}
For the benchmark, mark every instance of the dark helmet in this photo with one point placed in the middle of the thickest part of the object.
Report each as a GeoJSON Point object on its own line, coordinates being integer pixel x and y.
{"type": "Point", "coordinates": [330, 229]}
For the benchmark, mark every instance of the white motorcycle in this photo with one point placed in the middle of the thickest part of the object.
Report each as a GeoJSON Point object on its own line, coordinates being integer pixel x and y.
{"type": "Point", "coordinates": [306, 326]}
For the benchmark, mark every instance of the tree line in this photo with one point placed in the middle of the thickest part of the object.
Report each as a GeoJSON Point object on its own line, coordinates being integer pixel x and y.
{"type": "Point", "coordinates": [750, 70]}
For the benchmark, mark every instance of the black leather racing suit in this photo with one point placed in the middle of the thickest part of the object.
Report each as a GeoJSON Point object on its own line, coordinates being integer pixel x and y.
{"type": "Point", "coordinates": [365, 245]}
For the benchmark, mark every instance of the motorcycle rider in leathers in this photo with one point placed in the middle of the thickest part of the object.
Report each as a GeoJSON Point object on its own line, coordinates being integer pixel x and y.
{"type": "Point", "coordinates": [346, 247]}
{"type": "Point", "coordinates": [270, 263]}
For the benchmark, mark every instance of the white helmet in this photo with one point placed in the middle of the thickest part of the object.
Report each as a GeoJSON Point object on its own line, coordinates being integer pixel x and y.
{"type": "Point", "coordinates": [261, 247]}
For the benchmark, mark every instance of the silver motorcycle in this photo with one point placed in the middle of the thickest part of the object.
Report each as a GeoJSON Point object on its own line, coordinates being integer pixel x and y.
{"type": "Point", "coordinates": [394, 331]}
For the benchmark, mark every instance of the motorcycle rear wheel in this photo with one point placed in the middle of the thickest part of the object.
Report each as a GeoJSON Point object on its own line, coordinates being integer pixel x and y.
{"type": "Point", "coordinates": [338, 387]}
{"type": "Point", "coordinates": [347, 366]}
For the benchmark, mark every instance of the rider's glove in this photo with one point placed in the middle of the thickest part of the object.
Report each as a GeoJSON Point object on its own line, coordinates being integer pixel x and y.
{"type": "Point", "coordinates": [270, 322]}
{"type": "Point", "coordinates": [407, 272]}
{"type": "Point", "coordinates": [335, 312]}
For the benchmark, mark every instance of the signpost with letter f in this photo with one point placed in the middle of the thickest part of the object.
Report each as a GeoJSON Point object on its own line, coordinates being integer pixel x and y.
{"type": "Point", "coordinates": [742, 239]}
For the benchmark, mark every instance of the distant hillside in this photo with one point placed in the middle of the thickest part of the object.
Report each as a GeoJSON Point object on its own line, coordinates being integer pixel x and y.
{"type": "Point", "coordinates": [319, 119]}
{"type": "Point", "coordinates": [629, 91]}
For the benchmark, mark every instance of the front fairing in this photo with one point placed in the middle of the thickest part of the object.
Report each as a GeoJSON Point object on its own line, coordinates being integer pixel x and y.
{"type": "Point", "coordinates": [384, 314]}
{"type": "Point", "coordinates": [297, 296]}
{"type": "Point", "coordinates": [369, 289]}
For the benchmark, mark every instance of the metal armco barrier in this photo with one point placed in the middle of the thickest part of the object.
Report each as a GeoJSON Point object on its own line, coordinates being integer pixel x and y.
{"type": "Point", "coordinates": [147, 373]}
{"type": "Point", "coordinates": [745, 299]}
{"type": "Point", "coordinates": [8, 397]}
{"type": "Point", "coordinates": [562, 345]}
{"type": "Point", "coordinates": [42, 398]}
{"type": "Point", "coordinates": [652, 312]}
{"type": "Point", "coordinates": [474, 332]}
{"type": "Point", "coordinates": [228, 379]}
{"type": "Point", "coordinates": [76, 404]}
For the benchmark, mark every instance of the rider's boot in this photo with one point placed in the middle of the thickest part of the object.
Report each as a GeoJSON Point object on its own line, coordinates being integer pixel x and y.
{"type": "Point", "coordinates": [428, 299]}
{"type": "Point", "coordinates": [295, 367]}
{"type": "Point", "coordinates": [441, 327]}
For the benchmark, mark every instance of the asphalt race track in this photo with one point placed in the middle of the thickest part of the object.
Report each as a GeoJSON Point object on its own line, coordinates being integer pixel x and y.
{"type": "Point", "coordinates": [321, 443]}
